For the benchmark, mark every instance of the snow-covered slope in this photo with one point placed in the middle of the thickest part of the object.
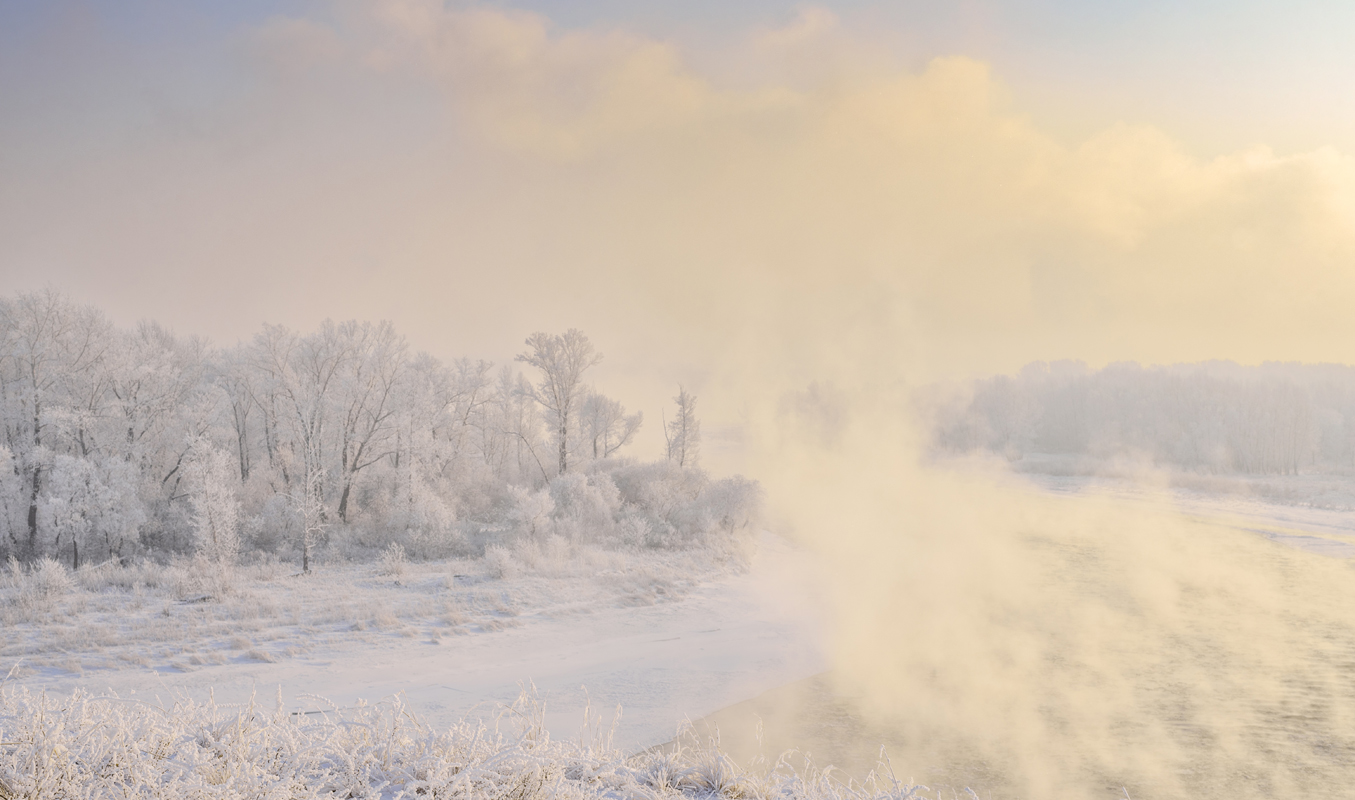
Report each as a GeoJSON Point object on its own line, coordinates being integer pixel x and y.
{"type": "Point", "coordinates": [661, 648]}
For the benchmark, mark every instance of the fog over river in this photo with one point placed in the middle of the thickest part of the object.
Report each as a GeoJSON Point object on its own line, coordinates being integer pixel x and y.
{"type": "Point", "coordinates": [1115, 645]}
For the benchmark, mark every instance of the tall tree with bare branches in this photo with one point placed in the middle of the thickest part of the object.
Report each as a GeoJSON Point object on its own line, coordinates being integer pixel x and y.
{"type": "Point", "coordinates": [562, 360]}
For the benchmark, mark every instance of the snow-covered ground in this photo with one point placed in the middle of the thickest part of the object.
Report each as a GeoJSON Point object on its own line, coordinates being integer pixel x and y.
{"type": "Point", "coordinates": [665, 636]}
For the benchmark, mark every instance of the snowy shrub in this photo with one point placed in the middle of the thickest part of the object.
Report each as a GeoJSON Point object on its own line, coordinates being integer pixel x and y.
{"type": "Point", "coordinates": [97, 577]}
{"type": "Point", "coordinates": [554, 556]}
{"type": "Point", "coordinates": [48, 579]}
{"type": "Point", "coordinates": [188, 578]}
{"type": "Point", "coordinates": [439, 542]}
{"type": "Point", "coordinates": [427, 518]}
{"type": "Point", "coordinates": [393, 561]}
{"type": "Point", "coordinates": [272, 528]}
{"type": "Point", "coordinates": [500, 563]}
{"type": "Point", "coordinates": [731, 504]}
{"type": "Point", "coordinates": [665, 505]}
{"type": "Point", "coordinates": [556, 549]}
{"type": "Point", "coordinates": [585, 505]}
{"type": "Point", "coordinates": [631, 531]}
{"type": "Point", "coordinates": [12, 575]}
{"type": "Point", "coordinates": [530, 512]}
{"type": "Point", "coordinates": [37, 590]}
{"type": "Point", "coordinates": [658, 488]}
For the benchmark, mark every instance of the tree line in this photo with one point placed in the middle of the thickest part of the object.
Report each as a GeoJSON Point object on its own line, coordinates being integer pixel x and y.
{"type": "Point", "coordinates": [120, 443]}
{"type": "Point", "coordinates": [1276, 418]}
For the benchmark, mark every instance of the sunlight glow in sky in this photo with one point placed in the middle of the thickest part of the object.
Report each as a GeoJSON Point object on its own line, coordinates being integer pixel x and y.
{"type": "Point", "coordinates": [698, 184]}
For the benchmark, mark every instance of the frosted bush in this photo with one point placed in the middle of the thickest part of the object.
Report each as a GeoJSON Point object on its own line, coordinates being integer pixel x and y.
{"type": "Point", "coordinates": [274, 525]}
{"type": "Point", "coordinates": [556, 549]}
{"type": "Point", "coordinates": [530, 512]}
{"type": "Point", "coordinates": [96, 578]}
{"type": "Point", "coordinates": [659, 488]}
{"type": "Point", "coordinates": [585, 505]}
{"type": "Point", "coordinates": [500, 563]}
{"type": "Point", "coordinates": [49, 579]}
{"type": "Point", "coordinates": [427, 518]}
{"type": "Point", "coordinates": [36, 590]}
{"type": "Point", "coordinates": [393, 561]}
{"type": "Point", "coordinates": [186, 578]}
{"type": "Point", "coordinates": [553, 556]}
{"type": "Point", "coordinates": [664, 505]}
{"type": "Point", "coordinates": [631, 531]}
{"type": "Point", "coordinates": [12, 576]}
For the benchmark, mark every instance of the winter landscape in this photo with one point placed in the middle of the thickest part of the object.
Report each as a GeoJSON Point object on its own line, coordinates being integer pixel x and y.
{"type": "Point", "coordinates": [539, 400]}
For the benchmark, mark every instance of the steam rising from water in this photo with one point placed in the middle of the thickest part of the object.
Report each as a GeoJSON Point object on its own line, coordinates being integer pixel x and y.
{"type": "Point", "coordinates": [1048, 647]}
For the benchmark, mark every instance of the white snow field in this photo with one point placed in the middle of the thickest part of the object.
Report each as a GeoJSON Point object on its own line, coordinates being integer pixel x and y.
{"type": "Point", "coordinates": [665, 636]}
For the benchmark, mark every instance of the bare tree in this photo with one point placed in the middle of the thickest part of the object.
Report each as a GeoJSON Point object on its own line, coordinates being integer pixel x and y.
{"type": "Point", "coordinates": [606, 426]}
{"type": "Point", "coordinates": [236, 379]}
{"type": "Point", "coordinates": [562, 360]}
{"type": "Point", "coordinates": [301, 373]}
{"type": "Point", "coordinates": [215, 507]}
{"type": "Point", "coordinates": [684, 431]}
{"type": "Point", "coordinates": [309, 505]}
{"type": "Point", "coordinates": [375, 364]}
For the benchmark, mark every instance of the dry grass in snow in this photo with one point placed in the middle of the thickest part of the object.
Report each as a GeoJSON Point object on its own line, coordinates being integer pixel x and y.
{"type": "Point", "coordinates": [181, 617]}
{"type": "Point", "coordinates": [95, 747]}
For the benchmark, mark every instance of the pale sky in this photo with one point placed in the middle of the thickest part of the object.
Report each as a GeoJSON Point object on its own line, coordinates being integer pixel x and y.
{"type": "Point", "coordinates": [723, 194]}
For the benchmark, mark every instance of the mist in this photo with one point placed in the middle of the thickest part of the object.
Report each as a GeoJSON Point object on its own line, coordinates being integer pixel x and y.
{"type": "Point", "coordinates": [805, 233]}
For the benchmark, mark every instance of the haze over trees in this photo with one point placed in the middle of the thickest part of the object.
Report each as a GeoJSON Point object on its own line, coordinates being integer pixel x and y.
{"type": "Point", "coordinates": [120, 443]}
{"type": "Point", "coordinates": [1213, 417]}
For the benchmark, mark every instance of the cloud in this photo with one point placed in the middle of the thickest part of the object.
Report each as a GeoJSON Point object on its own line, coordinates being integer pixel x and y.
{"type": "Point", "coordinates": [435, 155]}
{"type": "Point", "coordinates": [510, 75]}
{"type": "Point", "coordinates": [931, 184]}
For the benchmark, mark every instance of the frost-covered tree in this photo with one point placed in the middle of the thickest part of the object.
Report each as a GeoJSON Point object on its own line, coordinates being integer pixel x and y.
{"type": "Point", "coordinates": [309, 506]}
{"type": "Point", "coordinates": [683, 432]}
{"type": "Point", "coordinates": [52, 348]}
{"type": "Point", "coordinates": [512, 425]}
{"type": "Point", "coordinates": [562, 360]}
{"type": "Point", "coordinates": [89, 503]}
{"type": "Point", "coordinates": [210, 475]}
{"type": "Point", "coordinates": [12, 508]}
{"type": "Point", "coordinates": [301, 373]}
{"type": "Point", "coordinates": [606, 426]}
{"type": "Point", "coordinates": [373, 366]}
{"type": "Point", "coordinates": [123, 442]}
{"type": "Point", "coordinates": [236, 380]}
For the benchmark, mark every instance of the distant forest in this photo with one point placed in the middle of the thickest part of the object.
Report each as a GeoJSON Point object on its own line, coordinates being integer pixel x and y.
{"type": "Point", "coordinates": [338, 442]}
{"type": "Point", "coordinates": [1212, 417]}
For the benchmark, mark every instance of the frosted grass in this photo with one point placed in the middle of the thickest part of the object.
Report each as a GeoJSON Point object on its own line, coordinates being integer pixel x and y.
{"type": "Point", "coordinates": [111, 617]}
{"type": "Point", "coordinates": [106, 746]}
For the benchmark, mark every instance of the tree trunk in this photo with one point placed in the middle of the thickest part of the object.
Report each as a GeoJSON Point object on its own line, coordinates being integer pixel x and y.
{"type": "Point", "coordinates": [564, 449]}
{"type": "Point", "coordinates": [343, 498]}
{"type": "Point", "coordinates": [37, 481]}
{"type": "Point", "coordinates": [33, 513]}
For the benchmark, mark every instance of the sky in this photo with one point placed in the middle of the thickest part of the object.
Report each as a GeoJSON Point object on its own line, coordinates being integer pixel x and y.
{"type": "Point", "coordinates": [738, 197]}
